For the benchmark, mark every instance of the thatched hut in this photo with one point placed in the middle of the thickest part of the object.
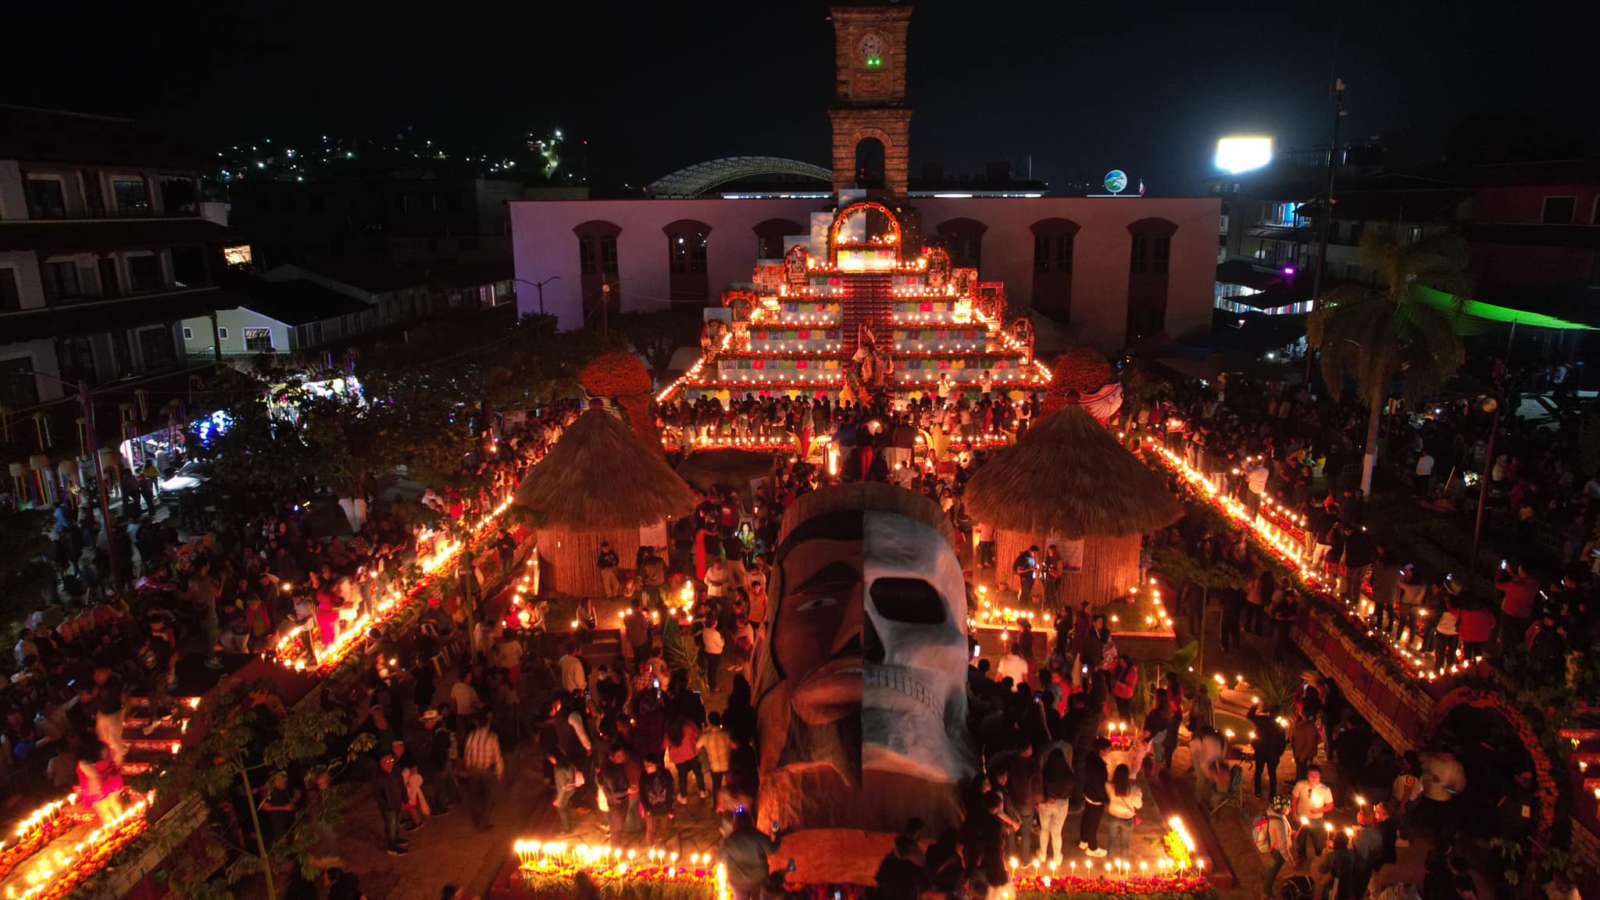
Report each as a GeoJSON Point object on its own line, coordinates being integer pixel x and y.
{"type": "Point", "coordinates": [1068, 482]}
{"type": "Point", "coordinates": [599, 482]}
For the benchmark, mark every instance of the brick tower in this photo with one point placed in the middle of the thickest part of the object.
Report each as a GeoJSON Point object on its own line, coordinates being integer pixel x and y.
{"type": "Point", "coordinates": [870, 94]}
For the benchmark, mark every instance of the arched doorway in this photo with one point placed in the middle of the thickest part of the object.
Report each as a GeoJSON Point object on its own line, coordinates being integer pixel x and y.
{"type": "Point", "coordinates": [1149, 257]}
{"type": "Point", "coordinates": [688, 245]}
{"type": "Point", "coordinates": [598, 269]}
{"type": "Point", "coordinates": [870, 161]}
{"type": "Point", "coordinates": [964, 239]}
{"type": "Point", "coordinates": [770, 235]}
{"type": "Point", "coordinates": [1053, 245]}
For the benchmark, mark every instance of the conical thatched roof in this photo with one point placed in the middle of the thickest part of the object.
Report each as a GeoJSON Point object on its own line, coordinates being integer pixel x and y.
{"type": "Point", "coordinates": [601, 477]}
{"type": "Point", "coordinates": [1068, 476]}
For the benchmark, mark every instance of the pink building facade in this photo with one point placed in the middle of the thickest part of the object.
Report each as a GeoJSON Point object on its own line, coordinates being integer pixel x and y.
{"type": "Point", "coordinates": [1110, 270]}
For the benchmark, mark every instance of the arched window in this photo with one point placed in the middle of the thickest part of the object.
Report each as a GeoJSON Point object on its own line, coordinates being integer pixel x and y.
{"type": "Point", "coordinates": [869, 163]}
{"type": "Point", "coordinates": [1053, 244]}
{"type": "Point", "coordinates": [964, 239]}
{"type": "Point", "coordinates": [687, 244]}
{"type": "Point", "coordinates": [1149, 257]}
{"type": "Point", "coordinates": [770, 235]}
{"type": "Point", "coordinates": [597, 266]}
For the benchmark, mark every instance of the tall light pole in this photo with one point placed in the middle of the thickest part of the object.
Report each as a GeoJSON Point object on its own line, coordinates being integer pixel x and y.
{"type": "Point", "coordinates": [539, 286]}
{"type": "Point", "coordinates": [1327, 207]}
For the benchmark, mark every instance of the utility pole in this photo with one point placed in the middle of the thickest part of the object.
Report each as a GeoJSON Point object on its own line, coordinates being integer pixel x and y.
{"type": "Point", "coordinates": [100, 479]}
{"type": "Point", "coordinates": [1327, 207]}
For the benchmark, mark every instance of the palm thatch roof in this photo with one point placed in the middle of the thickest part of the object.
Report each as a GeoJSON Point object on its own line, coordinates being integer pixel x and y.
{"type": "Point", "coordinates": [1068, 476]}
{"type": "Point", "coordinates": [601, 477]}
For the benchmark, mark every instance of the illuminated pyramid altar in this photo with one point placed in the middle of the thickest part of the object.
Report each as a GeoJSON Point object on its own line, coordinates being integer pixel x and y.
{"type": "Point", "coordinates": [859, 319]}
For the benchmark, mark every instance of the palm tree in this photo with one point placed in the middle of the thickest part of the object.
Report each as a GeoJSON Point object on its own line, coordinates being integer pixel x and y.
{"type": "Point", "coordinates": [1371, 334]}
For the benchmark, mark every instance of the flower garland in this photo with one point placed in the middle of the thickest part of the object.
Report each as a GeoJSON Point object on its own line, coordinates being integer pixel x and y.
{"type": "Point", "coordinates": [87, 857]}
{"type": "Point", "coordinates": [37, 831]}
{"type": "Point", "coordinates": [1544, 768]}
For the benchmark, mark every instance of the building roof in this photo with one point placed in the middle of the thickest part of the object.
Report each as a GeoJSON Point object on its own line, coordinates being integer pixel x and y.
{"type": "Point", "coordinates": [1068, 476]}
{"type": "Point", "coordinates": [600, 477]}
{"type": "Point", "coordinates": [58, 136]}
{"type": "Point", "coordinates": [296, 301]}
{"type": "Point", "coordinates": [49, 236]}
{"type": "Point", "coordinates": [701, 178]}
{"type": "Point", "coordinates": [123, 312]}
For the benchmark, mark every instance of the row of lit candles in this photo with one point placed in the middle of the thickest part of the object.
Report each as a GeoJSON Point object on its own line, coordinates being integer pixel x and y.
{"type": "Point", "coordinates": [1291, 550]}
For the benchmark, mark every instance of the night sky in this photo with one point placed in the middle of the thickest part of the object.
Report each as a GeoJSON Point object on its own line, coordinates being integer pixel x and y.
{"type": "Point", "coordinates": [1082, 87]}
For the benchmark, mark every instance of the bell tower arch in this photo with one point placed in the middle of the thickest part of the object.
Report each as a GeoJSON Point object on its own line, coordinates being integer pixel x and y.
{"type": "Point", "coordinates": [870, 97]}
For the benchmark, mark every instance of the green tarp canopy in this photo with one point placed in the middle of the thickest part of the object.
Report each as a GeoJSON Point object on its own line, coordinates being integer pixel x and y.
{"type": "Point", "coordinates": [1492, 313]}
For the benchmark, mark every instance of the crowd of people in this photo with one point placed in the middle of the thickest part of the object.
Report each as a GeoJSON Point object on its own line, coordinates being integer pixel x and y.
{"type": "Point", "coordinates": [1296, 461]}
{"type": "Point", "coordinates": [202, 593]}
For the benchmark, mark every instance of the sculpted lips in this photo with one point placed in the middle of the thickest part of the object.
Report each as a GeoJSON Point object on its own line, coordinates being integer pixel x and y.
{"type": "Point", "coordinates": [830, 693]}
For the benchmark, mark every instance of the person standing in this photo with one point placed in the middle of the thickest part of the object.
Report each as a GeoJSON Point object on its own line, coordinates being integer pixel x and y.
{"type": "Point", "coordinates": [1024, 785]}
{"type": "Point", "coordinates": [607, 561]}
{"type": "Point", "coordinates": [1268, 744]}
{"type": "Point", "coordinates": [1359, 555]}
{"type": "Point", "coordinates": [574, 680]}
{"type": "Point", "coordinates": [1026, 568]}
{"type": "Point", "coordinates": [1519, 591]}
{"type": "Point", "coordinates": [1013, 665]}
{"type": "Point", "coordinates": [712, 644]}
{"type": "Point", "coordinates": [1311, 800]}
{"type": "Point", "coordinates": [485, 766]}
{"type": "Point", "coordinates": [1304, 739]}
{"type": "Point", "coordinates": [1122, 805]}
{"type": "Point", "coordinates": [1053, 569]}
{"type": "Point", "coordinates": [1056, 779]}
{"type": "Point", "coordinates": [744, 853]}
{"type": "Point", "coordinates": [1275, 837]}
{"type": "Point", "coordinates": [618, 791]}
{"type": "Point", "coordinates": [390, 789]}
{"type": "Point", "coordinates": [718, 748]}
{"type": "Point", "coordinates": [658, 799]}
{"type": "Point", "coordinates": [567, 782]}
{"type": "Point", "coordinates": [1095, 798]}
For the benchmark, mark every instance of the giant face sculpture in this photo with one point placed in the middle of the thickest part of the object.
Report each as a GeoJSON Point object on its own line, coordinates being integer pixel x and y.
{"type": "Point", "coordinates": [861, 677]}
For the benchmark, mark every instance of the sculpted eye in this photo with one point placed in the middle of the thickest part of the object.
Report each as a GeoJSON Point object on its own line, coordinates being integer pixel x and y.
{"type": "Point", "coordinates": [817, 603]}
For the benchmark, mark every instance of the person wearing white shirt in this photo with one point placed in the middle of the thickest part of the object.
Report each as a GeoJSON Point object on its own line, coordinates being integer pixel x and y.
{"type": "Point", "coordinates": [713, 642]}
{"type": "Point", "coordinates": [1013, 666]}
{"type": "Point", "coordinates": [464, 696]}
{"type": "Point", "coordinates": [573, 678]}
{"type": "Point", "coordinates": [1424, 474]}
{"type": "Point", "coordinates": [1312, 800]}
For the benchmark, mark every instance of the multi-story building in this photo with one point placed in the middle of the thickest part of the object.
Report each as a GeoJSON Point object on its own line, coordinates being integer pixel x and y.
{"type": "Point", "coordinates": [1532, 230]}
{"type": "Point", "coordinates": [105, 246]}
{"type": "Point", "coordinates": [1108, 270]}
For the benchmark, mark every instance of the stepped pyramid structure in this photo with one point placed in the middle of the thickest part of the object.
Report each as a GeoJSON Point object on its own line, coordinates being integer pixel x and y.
{"type": "Point", "coordinates": [859, 318]}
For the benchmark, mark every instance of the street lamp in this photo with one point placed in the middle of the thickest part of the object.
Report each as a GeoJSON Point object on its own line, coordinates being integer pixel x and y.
{"type": "Point", "coordinates": [539, 286]}
{"type": "Point", "coordinates": [82, 388]}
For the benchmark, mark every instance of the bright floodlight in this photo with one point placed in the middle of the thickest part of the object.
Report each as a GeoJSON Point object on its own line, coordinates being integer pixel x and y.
{"type": "Point", "coordinates": [1241, 153]}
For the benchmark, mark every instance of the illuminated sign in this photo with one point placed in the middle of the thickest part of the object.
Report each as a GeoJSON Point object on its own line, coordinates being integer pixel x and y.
{"type": "Point", "coordinates": [1116, 181]}
{"type": "Point", "coordinates": [1243, 152]}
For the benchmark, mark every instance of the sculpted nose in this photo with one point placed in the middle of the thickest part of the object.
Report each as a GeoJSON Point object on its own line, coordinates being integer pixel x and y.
{"type": "Point", "coordinates": [847, 640]}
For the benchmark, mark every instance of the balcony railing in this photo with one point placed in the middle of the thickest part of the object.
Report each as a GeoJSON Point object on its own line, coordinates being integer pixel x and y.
{"type": "Point", "coordinates": [187, 211]}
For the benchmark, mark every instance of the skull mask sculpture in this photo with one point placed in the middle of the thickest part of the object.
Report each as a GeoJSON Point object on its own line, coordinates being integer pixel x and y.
{"type": "Point", "coordinates": [861, 674]}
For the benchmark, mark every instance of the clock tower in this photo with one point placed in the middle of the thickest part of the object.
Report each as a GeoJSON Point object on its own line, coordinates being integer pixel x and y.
{"type": "Point", "coordinates": [871, 119]}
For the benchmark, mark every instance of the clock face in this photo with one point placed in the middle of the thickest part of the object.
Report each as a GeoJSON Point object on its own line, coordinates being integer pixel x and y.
{"type": "Point", "coordinates": [872, 51]}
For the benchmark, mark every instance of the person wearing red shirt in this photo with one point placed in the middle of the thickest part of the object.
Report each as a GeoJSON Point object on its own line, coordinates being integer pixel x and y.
{"type": "Point", "coordinates": [1475, 627]}
{"type": "Point", "coordinates": [1519, 590]}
